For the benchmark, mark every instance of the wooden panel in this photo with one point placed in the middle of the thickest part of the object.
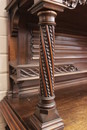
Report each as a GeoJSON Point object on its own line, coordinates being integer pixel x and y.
{"type": "Point", "coordinates": [68, 48]}
{"type": "Point", "coordinates": [23, 40]}
{"type": "Point", "coordinates": [12, 48]}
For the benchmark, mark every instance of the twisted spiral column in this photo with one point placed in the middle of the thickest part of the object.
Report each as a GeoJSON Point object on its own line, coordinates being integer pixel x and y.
{"type": "Point", "coordinates": [47, 36]}
{"type": "Point", "coordinates": [46, 115]}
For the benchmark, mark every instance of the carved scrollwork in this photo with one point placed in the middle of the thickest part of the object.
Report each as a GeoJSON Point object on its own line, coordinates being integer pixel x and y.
{"type": "Point", "coordinates": [73, 3]}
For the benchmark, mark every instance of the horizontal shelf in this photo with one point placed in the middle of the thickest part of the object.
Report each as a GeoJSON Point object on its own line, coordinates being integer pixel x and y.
{"type": "Point", "coordinates": [58, 77]}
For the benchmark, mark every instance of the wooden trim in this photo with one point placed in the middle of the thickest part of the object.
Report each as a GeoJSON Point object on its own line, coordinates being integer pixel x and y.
{"type": "Point", "coordinates": [12, 120]}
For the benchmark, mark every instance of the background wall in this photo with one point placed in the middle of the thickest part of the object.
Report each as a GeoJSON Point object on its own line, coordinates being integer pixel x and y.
{"type": "Point", "coordinates": [3, 55]}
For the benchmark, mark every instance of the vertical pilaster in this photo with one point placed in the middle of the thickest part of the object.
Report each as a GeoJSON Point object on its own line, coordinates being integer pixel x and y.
{"type": "Point", "coordinates": [46, 116]}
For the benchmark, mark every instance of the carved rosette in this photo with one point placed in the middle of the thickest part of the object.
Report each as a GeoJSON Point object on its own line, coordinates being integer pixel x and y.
{"type": "Point", "coordinates": [47, 26]}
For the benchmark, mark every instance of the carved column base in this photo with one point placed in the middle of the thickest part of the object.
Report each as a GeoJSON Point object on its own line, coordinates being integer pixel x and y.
{"type": "Point", "coordinates": [46, 120]}
{"type": "Point", "coordinates": [55, 124]}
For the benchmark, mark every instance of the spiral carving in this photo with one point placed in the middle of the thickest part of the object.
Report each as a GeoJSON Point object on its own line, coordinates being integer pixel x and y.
{"type": "Point", "coordinates": [47, 60]}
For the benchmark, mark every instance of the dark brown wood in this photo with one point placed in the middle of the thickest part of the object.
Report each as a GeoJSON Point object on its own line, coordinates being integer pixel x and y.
{"type": "Point", "coordinates": [68, 67]}
{"type": "Point", "coordinates": [71, 104]}
{"type": "Point", "coordinates": [46, 116]}
{"type": "Point", "coordinates": [7, 128]}
{"type": "Point", "coordinates": [23, 48]}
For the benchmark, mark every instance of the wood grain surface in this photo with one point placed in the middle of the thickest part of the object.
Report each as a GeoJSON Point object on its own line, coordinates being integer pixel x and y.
{"type": "Point", "coordinates": [73, 108]}
{"type": "Point", "coordinates": [71, 104]}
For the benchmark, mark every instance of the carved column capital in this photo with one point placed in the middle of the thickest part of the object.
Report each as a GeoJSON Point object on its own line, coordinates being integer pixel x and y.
{"type": "Point", "coordinates": [47, 17]}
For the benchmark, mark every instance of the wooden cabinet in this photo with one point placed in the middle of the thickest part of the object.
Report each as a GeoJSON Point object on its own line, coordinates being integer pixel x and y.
{"type": "Point", "coordinates": [47, 52]}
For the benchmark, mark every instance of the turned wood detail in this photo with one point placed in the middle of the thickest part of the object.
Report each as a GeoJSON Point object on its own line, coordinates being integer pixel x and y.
{"type": "Point", "coordinates": [46, 115]}
{"type": "Point", "coordinates": [46, 60]}
{"type": "Point", "coordinates": [47, 36]}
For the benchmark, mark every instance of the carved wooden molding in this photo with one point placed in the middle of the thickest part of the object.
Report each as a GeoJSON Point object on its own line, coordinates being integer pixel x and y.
{"type": "Point", "coordinates": [73, 3]}
{"type": "Point", "coordinates": [47, 4]}
{"type": "Point", "coordinates": [57, 5]}
{"type": "Point", "coordinates": [14, 21]}
{"type": "Point", "coordinates": [31, 73]}
{"type": "Point", "coordinates": [13, 9]}
{"type": "Point", "coordinates": [10, 117]}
